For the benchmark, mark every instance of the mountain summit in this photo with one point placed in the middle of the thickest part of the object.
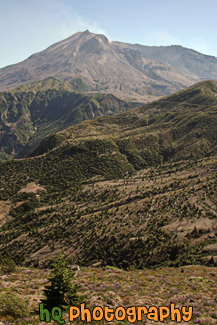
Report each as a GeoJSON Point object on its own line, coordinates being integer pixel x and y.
{"type": "Point", "coordinates": [126, 70]}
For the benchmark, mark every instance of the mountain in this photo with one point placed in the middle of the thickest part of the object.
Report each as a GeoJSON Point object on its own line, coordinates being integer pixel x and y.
{"type": "Point", "coordinates": [33, 111]}
{"type": "Point", "coordinates": [189, 62]}
{"type": "Point", "coordinates": [127, 71]}
{"type": "Point", "coordinates": [142, 184]}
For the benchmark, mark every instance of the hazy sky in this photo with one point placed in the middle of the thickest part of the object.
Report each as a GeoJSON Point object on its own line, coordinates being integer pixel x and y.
{"type": "Point", "coordinates": [28, 26]}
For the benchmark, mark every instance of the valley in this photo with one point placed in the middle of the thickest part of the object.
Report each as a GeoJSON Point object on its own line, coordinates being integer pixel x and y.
{"type": "Point", "coordinates": [30, 113]}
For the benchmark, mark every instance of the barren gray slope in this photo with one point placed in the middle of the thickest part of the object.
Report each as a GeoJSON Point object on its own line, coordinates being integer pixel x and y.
{"type": "Point", "coordinates": [103, 65]}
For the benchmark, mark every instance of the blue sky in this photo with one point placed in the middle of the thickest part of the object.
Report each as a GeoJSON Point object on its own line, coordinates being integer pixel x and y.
{"type": "Point", "coordinates": [28, 26]}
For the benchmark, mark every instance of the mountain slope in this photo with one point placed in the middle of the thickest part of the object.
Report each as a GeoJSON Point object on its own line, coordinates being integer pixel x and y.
{"type": "Point", "coordinates": [187, 61]}
{"type": "Point", "coordinates": [184, 123]}
{"type": "Point", "coordinates": [102, 65]}
{"type": "Point", "coordinates": [33, 111]}
{"type": "Point", "coordinates": [142, 184]}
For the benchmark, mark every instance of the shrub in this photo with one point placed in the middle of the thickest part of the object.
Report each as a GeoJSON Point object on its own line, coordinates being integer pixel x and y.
{"type": "Point", "coordinates": [13, 305]}
{"type": "Point", "coordinates": [7, 265]}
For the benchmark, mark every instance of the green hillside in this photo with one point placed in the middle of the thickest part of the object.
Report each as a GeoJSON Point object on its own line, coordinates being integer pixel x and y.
{"type": "Point", "coordinates": [33, 111]}
{"type": "Point", "coordinates": [180, 126]}
{"type": "Point", "coordinates": [138, 188]}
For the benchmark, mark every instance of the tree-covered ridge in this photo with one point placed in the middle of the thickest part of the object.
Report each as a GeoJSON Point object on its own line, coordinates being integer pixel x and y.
{"type": "Point", "coordinates": [142, 184]}
{"type": "Point", "coordinates": [180, 126]}
{"type": "Point", "coordinates": [160, 216]}
{"type": "Point", "coordinates": [33, 111]}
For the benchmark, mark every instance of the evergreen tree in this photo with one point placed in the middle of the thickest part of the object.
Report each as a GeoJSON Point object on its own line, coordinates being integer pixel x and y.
{"type": "Point", "coordinates": [60, 292]}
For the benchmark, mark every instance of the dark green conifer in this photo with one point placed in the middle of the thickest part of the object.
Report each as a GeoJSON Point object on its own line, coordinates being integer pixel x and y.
{"type": "Point", "coordinates": [60, 292]}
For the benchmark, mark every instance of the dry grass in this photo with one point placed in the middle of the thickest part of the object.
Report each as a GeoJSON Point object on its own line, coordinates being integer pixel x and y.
{"type": "Point", "coordinates": [5, 207]}
{"type": "Point", "coordinates": [32, 188]}
{"type": "Point", "coordinates": [187, 286]}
